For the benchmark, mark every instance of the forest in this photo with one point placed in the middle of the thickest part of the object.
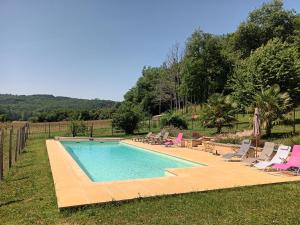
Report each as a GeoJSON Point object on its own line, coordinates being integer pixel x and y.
{"type": "Point", "coordinates": [48, 108]}
{"type": "Point", "coordinates": [262, 52]}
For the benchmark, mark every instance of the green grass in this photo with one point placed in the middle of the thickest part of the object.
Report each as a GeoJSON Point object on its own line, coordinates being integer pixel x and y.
{"type": "Point", "coordinates": [27, 197]}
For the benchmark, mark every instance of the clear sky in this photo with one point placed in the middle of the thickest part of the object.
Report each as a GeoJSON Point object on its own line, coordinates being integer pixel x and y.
{"type": "Point", "coordinates": [97, 48]}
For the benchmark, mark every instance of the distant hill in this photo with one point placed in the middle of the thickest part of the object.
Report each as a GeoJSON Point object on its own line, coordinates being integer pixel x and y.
{"type": "Point", "coordinates": [22, 107]}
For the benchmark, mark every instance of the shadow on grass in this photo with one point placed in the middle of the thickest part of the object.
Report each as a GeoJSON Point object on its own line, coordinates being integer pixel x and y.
{"type": "Point", "coordinates": [18, 179]}
{"type": "Point", "coordinates": [280, 135]}
{"type": "Point", "coordinates": [24, 165]}
{"type": "Point", "coordinates": [10, 202]}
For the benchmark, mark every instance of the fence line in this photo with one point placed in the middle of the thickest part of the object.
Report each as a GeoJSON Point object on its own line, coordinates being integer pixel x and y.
{"type": "Point", "coordinates": [9, 138]}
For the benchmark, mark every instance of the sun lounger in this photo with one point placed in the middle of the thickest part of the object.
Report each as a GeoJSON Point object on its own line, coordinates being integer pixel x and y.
{"type": "Point", "coordinates": [153, 137]}
{"type": "Point", "coordinates": [160, 140]}
{"type": "Point", "coordinates": [281, 155]}
{"type": "Point", "coordinates": [141, 138]}
{"type": "Point", "coordinates": [176, 142]}
{"type": "Point", "coordinates": [241, 153]}
{"type": "Point", "coordinates": [264, 155]}
{"type": "Point", "coordinates": [294, 160]}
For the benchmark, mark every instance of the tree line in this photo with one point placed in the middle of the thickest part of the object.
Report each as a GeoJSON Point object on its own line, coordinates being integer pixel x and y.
{"type": "Point", "coordinates": [262, 52]}
{"type": "Point", "coordinates": [48, 108]}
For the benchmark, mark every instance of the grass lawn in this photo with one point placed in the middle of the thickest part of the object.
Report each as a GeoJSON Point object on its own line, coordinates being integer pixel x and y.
{"type": "Point", "coordinates": [27, 197]}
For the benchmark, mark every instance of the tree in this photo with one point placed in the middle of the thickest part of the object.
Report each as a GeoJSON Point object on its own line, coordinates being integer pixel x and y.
{"type": "Point", "coordinates": [77, 127]}
{"type": "Point", "coordinates": [174, 75]}
{"type": "Point", "coordinates": [205, 67]}
{"type": "Point", "coordinates": [264, 24]}
{"type": "Point", "coordinates": [175, 120]}
{"type": "Point", "coordinates": [276, 62]}
{"type": "Point", "coordinates": [219, 111]}
{"type": "Point", "coordinates": [127, 117]}
{"type": "Point", "coordinates": [272, 105]}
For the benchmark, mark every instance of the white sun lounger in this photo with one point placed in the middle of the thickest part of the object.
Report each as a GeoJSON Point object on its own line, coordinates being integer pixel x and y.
{"type": "Point", "coordinates": [281, 155]}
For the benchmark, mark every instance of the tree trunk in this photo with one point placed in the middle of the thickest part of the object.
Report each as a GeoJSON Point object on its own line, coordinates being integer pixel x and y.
{"type": "Point", "coordinates": [268, 129]}
{"type": "Point", "coordinates": [219, 128]}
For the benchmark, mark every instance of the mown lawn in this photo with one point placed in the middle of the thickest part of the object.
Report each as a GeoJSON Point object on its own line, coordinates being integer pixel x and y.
{"type": "Point", "coordinates": [27, 197]}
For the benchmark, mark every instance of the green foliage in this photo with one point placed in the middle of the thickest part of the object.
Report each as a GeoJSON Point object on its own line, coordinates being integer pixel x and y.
{"type": "Point", "coordinates": [219, 111]}
{"type": "Point", "coordinates": [127, 117]}
{"type": "Point", "coordinates": [208, 61]}
{"type": "Point", "coordinates": [152, 90]}
{"type": "Point", "coordinates": [175, 120]}
{"type": "Point", "coordinates": [263, 24]}
{"type": "Point", "coordinates": [47, 108]}
{"type": "Point", "coordinates": [77, 127]}
{"type": "Point", "coordinates": [272, 105]}
{"type": "Point", "coordinates": [205, 67]}
{"type": "Point", "coordinates": [276, 62]}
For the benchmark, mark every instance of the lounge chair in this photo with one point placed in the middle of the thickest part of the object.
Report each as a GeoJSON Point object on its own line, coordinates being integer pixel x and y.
{"type": "Point", "coordinates": [161, 139]}
{"type": "Point", "coordinates": [294, 160]}
{"type": "Point", "coordinates": [264, 155]}
{"type": "Point", "coordinates": [281, 154]}
{"type": "Point", "coordinates": [175, 142]}
{"type": "Point", "coordinates": [141, 138]}
{"type": "Point", "coordinates": [241, 153]}
{"type": "Point", "coordinates": [153, 137]}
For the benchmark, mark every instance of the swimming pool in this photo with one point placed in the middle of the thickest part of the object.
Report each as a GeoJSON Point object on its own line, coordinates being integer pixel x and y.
{"type": "Point", "coordinates": [111, 161]}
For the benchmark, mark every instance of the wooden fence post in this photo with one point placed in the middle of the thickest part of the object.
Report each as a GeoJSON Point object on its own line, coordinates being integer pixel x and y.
{"type": "Point", "coordinates": [20, 141]}
{"type": "Point", "coordinates": [49, 132]}
{"type": "Point", "coordinates": [10, 148]}
{"type": "Point", "coordinates": [294, 121]}
{"type": "Point", "coordinates": [92, 129]}
{"type": "Point", "coordinates": [17, 145]}
{"type": "Point", "coordinates": [1, 154]}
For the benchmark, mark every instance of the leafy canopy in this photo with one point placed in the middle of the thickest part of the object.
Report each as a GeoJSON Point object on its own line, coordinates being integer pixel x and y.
{"type": "Point", "coordinates": [127, 117]}
{"type": "Point", "coordinates": [219, 111]}
{"type": "Point", "coordinates": [263, 24]}
{"type": "Point", "coordinates": [277, 62]}
{"type": "Point", "coordinates": [272, 105]}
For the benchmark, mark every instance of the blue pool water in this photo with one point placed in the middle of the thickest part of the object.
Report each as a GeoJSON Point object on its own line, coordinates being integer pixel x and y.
{"type": "Point", "coordinates": [110, 161]}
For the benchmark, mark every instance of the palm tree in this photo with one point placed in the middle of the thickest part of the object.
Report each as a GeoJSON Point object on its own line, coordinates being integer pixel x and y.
{"type": "Point", "coordinates": [272, 105]}
{"type": "Point", "coordinates": [219, 111]}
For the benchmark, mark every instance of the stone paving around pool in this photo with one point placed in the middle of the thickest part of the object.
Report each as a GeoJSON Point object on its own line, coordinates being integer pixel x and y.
{"type": "Point", "coordinates": [73, 187]}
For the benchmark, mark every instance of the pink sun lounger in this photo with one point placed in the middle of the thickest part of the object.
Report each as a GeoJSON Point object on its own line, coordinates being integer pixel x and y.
{"type": "Point", "coordinates": [294, 160]}
{"type": "Point", "coordinates": [177, 141]}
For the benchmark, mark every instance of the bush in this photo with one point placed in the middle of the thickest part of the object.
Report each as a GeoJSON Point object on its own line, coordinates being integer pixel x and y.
{"type": "Point", "coordinates": [219, 111]}
{"type": "Point", "coordinates": [127, 117]}
{"type": "Point", "coordinates": [77, 127]}
{"type": "Point", "coordinates": [173, 119]}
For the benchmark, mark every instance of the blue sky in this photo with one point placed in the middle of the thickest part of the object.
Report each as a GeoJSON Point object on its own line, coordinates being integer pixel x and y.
{"type": "Point", "coordinates": [97, 48]}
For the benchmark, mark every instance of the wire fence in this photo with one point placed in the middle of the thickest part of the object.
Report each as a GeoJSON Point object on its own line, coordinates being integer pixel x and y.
{"type": "Point", "coordinates": [14, 136]}
{"type": "Point", "coordinates": [12, 144]}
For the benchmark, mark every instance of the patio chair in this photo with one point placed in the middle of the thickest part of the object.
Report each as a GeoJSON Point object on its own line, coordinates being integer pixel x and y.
{"type": "Point", "coordinates": [264, 155]}
{"type": "Point", "coordinates": [294, 160]}
{"type": "Point", "coordinates": [175, 142]}
{"type": "Point", "coordinates": [152, 137]}
{"type": "Point", "coordinates": [281, 155]}
{"type": "Point", "coordinates": [241, 153]}
{"type": "Point", "coordinates": [161, 139]}
{"type": "Point", "coordinates": [141, 138]}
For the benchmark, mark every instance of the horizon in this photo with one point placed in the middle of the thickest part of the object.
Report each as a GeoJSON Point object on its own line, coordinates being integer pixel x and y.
{"type": "Point", "coordinates": [58, 96]}
{"type": "Point", "coordinates": [48, 48]}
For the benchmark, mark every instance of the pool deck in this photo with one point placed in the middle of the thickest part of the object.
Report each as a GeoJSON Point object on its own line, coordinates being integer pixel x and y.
{"type": "Point", "coordinates": [73, 187]}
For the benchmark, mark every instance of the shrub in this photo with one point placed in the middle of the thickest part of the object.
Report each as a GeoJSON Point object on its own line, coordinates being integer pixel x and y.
{"type": "Point", "coordinates": [127, 117]}
{"type": "Point", "coordinates": [272, 105]}
{"type": "Point", "coordinates": [219, 111]}
{"type": "Point", "coordinates": [77, 127]}
{"type": "Point", "coordinates": [175, 120]}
